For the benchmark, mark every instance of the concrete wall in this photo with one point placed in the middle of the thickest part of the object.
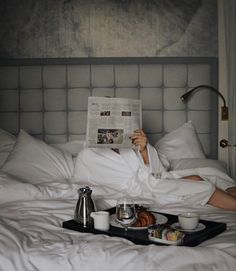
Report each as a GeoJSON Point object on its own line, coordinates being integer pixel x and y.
{"type": "Point", "coordinates": [107, 28]}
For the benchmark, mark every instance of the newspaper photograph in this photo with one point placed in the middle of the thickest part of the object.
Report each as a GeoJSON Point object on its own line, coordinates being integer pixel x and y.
{"type": "Point", "coordinates": [111, 122]}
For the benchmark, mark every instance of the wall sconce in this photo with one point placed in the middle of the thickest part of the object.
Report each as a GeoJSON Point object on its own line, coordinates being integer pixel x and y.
{"type": "Point", "coordinates": [224, 108]}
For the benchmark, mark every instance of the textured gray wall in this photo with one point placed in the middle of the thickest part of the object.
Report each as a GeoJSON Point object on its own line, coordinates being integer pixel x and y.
{"type": "Point", "coordinates": [107, 28]}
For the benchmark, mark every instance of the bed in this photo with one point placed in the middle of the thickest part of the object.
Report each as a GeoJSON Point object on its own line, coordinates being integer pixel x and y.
{"type": "Point", "coordinates": [43, 105]}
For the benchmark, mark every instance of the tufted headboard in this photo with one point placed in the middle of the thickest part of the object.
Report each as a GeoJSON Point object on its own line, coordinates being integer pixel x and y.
{"type": "Point", "coordinates": [48, 97]}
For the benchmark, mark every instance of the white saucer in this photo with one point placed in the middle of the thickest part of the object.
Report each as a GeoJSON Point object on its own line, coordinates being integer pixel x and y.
{"type": "Point", "coordinates": [200, 227]}
{"type": "Point", "coordinates": [161, 219]}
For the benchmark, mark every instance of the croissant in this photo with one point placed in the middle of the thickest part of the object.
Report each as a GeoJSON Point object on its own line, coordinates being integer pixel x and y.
{"type": "Point", "coordinates": [144, 219]}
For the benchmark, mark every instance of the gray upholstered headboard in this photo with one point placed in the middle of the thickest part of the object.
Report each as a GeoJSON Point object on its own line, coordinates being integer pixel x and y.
{"type": "Point", "coordinates": [48, 97]}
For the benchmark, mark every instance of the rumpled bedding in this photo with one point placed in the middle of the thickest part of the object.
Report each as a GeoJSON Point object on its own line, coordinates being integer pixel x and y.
{"type": "Point", "coordinates": [32, 237]}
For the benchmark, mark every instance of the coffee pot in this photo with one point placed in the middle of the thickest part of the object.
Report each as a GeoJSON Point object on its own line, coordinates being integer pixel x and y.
{"type": "Point", "coordinates": [84, 207]}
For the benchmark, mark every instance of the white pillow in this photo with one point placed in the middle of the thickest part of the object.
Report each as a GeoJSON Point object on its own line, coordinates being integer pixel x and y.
{"type": "Point", "coordinates": [72, 147]}
{"type": "Point", "coordinates": [191, 163]}
{"type": "Point", "coordinates": [33, 161]}
{"type": "Point", "coordinates": [7, 142]}
{"type": "Point", "coordinates": [180, 143]}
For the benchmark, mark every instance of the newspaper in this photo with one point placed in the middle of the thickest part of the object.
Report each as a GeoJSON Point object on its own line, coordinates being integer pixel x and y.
{"type": "Point", "coordinates": [111, 122]}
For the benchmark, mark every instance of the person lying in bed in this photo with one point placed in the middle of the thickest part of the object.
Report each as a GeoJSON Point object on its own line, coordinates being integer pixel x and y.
{"type": "Point", "coordinates": [129, 170]}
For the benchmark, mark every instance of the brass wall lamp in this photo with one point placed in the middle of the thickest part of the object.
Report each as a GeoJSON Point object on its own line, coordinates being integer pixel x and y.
{"type": "Point", "coordinates": [224, 108]}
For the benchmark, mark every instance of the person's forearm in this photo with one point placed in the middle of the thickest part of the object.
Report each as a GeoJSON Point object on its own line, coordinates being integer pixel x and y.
{"type": "Point", "coordinates": [144, 154]}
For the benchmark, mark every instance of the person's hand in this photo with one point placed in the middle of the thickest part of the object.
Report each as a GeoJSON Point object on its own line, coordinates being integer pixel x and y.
{"type": "Point", "coordinates": [140, 138]}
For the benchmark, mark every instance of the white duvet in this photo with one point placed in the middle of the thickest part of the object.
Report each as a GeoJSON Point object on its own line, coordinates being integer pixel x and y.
{"type": "Point", "coordinates": [32, 237]}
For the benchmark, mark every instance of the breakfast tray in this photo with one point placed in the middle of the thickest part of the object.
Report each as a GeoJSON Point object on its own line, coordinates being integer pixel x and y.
{"type": "Point", "coordinates": [141, 236]}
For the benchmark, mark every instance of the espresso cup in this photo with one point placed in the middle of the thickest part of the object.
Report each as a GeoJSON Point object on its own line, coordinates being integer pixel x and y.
{"type": "Point", "coordinates": [101, 220]}
{"type": "Point", "coordinates": [188, 221]}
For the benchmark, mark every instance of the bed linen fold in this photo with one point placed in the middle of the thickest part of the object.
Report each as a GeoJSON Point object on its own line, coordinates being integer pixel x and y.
{"type": "Point", "coordinates": [32, 236]}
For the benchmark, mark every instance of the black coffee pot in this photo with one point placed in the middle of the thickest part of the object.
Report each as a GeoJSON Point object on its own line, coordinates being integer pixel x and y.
{"type": "Point", "coordinates": [85, 205]}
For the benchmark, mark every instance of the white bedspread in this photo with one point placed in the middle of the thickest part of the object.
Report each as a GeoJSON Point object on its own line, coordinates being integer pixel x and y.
{"type": "Point", "coordinates": [32, 237]}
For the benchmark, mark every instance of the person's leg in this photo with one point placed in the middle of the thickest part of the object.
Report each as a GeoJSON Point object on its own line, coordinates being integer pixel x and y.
{"type": "Point", "coordinates": [201, 192]}
{"type": "Point", "coordinates": [223, 200]}
{"type": "Point", "coordinates": [232, 191]}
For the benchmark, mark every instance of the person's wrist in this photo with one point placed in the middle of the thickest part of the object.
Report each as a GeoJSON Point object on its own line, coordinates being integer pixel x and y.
{"type": "Point", "coordinates": [143, 150]}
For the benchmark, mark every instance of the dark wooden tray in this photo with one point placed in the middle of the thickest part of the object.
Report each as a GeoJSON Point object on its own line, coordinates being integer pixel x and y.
{"type": "Point", "coordinates": [141, 236]}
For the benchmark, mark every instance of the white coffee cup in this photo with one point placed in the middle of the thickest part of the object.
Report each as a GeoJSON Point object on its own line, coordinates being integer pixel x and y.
{"type": "Point", "coordinates": [188, 221]}
{"type": "Point", "coordinates": [101, 220]}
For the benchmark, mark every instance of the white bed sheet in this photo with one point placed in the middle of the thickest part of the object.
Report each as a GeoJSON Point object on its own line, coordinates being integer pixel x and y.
{"type": "Point", "coordinates": [32, 237]}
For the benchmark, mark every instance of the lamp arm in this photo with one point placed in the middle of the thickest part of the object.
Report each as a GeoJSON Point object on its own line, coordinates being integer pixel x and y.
{"type": "Point", "coordinates": [212, 88]}
{"type": "Point", "coordinates": [224, 109]}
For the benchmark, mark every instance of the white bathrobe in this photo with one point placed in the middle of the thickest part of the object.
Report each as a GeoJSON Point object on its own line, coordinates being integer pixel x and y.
{"type": "Point", "coordinates": [112, 175]}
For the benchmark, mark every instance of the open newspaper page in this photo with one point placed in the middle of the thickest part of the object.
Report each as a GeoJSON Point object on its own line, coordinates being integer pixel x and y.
{"type": "Point", "coordinates": [111, 121]}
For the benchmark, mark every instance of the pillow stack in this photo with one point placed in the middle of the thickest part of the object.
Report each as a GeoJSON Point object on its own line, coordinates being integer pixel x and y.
{"type": "Point", "coordinates": [32, 160]}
